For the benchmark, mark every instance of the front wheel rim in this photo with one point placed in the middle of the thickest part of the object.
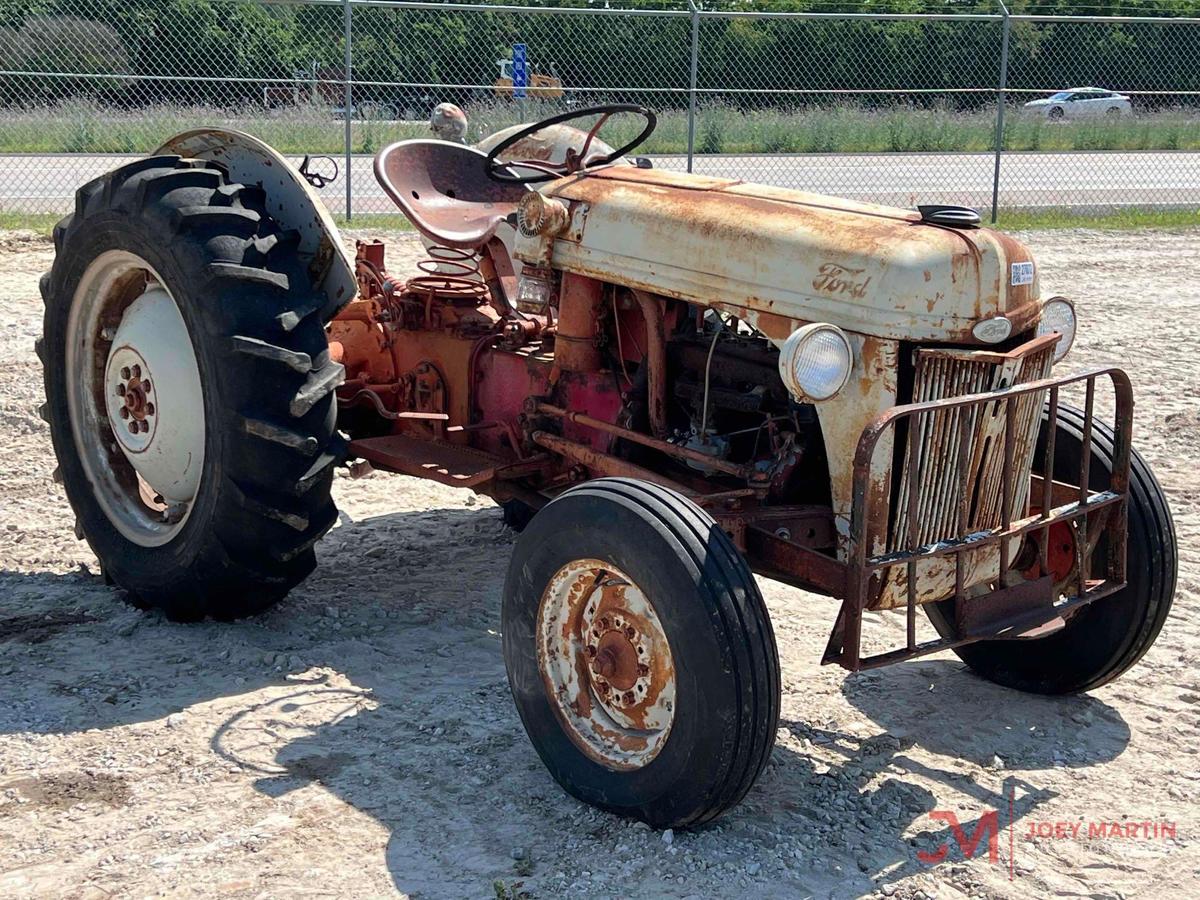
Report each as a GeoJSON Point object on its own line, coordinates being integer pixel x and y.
{"type": "Point", "coordinates": [606, 664]}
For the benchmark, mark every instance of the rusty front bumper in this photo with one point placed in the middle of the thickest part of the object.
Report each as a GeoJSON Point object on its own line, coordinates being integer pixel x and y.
{"type": "Point", "coordinates": [892, 552]}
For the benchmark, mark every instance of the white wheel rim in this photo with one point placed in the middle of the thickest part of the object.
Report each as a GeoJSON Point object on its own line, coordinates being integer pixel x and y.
{"type": "Point", "coordinates": [134, 398]}
{"type": "Point", "coordinates": [606, 664]}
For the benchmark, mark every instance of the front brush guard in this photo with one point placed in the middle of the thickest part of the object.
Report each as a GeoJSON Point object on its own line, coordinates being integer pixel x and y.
{"type": "Point", "coordinates": [1018, 607]}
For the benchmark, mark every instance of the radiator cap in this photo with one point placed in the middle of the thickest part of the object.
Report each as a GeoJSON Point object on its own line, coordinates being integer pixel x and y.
{"type": "Point", "coordinates": [950, 216]}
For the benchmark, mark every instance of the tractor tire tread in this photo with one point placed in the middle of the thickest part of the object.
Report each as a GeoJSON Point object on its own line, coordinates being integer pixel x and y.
{"type": "Point", "coordinates": [294, 360]}
{"type": "Point", "coordinates": [319, 384]}
{"type": "Point", "coordinates": [227, 271]}
{"type": "Point", "coordinates": [291, 438]}
{"type": "Point", "coordinates": [743, 612]}
{"type": "Point", "coordinates": [270, 499]}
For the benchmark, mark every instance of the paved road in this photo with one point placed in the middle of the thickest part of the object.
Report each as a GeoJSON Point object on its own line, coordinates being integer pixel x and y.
{"type": "Point", "coordinates": [46, 183]}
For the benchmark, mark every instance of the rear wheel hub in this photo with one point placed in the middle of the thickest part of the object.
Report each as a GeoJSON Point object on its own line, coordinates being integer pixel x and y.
{"type": "Point", "coordinates": [155, 405]}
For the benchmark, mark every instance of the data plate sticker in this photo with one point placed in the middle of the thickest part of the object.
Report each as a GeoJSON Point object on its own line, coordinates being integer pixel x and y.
{"type": "Point", "coordinates": [1022, 273]}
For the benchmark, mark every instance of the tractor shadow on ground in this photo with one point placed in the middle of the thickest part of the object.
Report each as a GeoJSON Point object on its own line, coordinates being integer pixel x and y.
{"type": "Point", "coordinates": [464, 763]}
{"type": "Point", "coordinates": [939, 708]}
{"type": "Point", "coordinates": [418, 730]}
{"type": "Point", "coordinates": [94, 661]}
{"type": "Point", "coordinates": [455, 754]}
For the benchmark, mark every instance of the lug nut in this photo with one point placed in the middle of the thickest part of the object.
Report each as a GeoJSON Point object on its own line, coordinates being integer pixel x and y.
{"type": "Point", "coordinates": [146, 387]}
{"type": "Point", "coordinates": [137, 371]}
{"type": "Point", "coordinates": [643, 669]}
{"type": "Point", "coordinates": [628, 698]}
{"type": "Point", "coordinates": [124, 412]}
{"type": "Point", "coordinates": [125, 373]}
{"type": "Point", "coordinates": [149, 409]}
{"type": "Point", "coordinates": [629, 632]}
{"type": "Point", "coordinates": [120, 389]}
{"type": "Point", "coordinates": [145, 426]}
{"type": "Point", "coordinates": [133, 427]}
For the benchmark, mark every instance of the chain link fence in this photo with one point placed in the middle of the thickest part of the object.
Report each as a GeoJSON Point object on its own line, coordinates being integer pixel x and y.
{"type": "Point", "coordinates": [891, 108]}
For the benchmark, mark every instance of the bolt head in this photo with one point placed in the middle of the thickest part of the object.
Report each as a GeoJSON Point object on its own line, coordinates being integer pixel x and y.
{"type": "Point", "coordinates": [628, 698]}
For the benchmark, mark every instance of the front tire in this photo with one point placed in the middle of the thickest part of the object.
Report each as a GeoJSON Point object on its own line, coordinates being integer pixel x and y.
{"type": "Point", "coordinates": [223, 521]}
{"type": "Point", "coordinates": [1106, 638]}
{"type": "Point", "coordinates": [640, 654]}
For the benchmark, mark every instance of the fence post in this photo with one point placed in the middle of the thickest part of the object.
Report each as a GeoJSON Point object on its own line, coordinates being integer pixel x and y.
{"type": "Point", "coordinates": [691, 143]}
{"type": "Point", "coordinates": [1000, 100]}
{"type": "Point", "coordinates": [348, 103]}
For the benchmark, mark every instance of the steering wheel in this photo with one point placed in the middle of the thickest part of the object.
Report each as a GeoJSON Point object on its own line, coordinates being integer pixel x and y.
{"type": "Point", "coordinates": [547, 171]}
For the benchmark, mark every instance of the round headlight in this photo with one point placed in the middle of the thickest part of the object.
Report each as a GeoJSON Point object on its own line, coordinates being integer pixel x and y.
{"type": "Point", "coordinates": [1058, 317]}
{"type": "Point", "coordinates": [815, 361]}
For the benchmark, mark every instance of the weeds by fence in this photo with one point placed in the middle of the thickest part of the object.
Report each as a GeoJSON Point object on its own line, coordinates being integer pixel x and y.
{"type": "Point", "coordinates": [83, 127]}
{"type": "Point", "coordinates": [742, 93]}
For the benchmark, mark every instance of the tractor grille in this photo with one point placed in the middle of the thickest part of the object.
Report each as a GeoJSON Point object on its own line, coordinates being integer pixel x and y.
{"type": "Point", "coordinates": [946, 489]}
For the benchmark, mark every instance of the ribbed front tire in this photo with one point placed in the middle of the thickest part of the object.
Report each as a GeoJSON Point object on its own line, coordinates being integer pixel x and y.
{"type": "Point", "coordinates": [1106, 638]}
{"type": "Point", "coordinates": [711, 742]}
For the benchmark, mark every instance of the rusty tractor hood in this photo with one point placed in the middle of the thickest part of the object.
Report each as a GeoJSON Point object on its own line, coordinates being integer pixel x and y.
{"type": "Point", "coordinates": [783, 256]}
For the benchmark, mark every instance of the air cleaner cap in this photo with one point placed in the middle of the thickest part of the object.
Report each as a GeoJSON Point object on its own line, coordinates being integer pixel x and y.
{"type": "Point", "coordinates": [949, 216]}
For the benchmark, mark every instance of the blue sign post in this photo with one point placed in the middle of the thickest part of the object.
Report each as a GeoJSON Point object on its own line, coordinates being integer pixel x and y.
{"type": "Point", "coordinates": [520, 71]}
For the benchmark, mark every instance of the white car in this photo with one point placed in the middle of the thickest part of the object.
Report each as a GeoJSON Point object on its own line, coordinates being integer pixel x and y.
{"type": "Point", "coordinates": [1081, 103]}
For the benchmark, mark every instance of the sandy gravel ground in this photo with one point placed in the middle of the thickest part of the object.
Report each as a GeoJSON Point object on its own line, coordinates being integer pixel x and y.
{"type": "Point", "coordinates": [359, 739]}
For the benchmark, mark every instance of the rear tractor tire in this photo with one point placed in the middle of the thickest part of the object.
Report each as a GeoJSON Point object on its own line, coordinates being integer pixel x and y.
{"type": "Point", "coordinates": [640, 654]}
{"type": "Point", "coordinates": [1107, 637]}
{"type": "Point", "coordinates": [189, 389]}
